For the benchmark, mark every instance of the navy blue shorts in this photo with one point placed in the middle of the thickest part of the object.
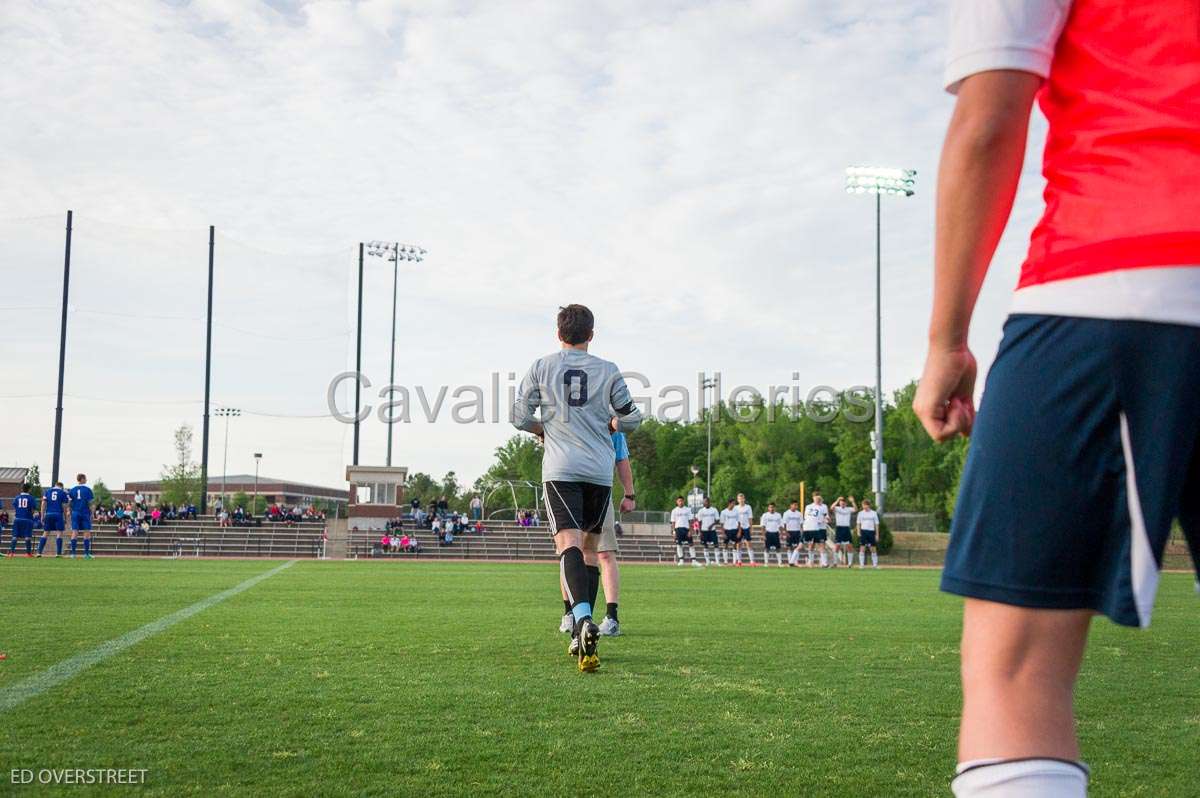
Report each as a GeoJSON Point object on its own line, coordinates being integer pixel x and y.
{"type": "Point", "coordinates": [815, 535]}
{"type": "Point", "coordinates": [843, 535]}
{"type": "Point", "coordinates": [1094, 423]}
{"type": "Point", "coordinates": [81, 522]}
{"type": "Point", "coordinates": [866, 537]}
{"type": "Point", "coordinates": [794, 538]}
{"type": "Point", "coordinates": [682, 535]}
{"type": "Point", "coordinates": [708, 537]}
{"type": "Point", "coordinates": [744, 534]}
{"type": "Point", "coordinates": [53, 523]}
{"type": "Point", "coordinates": [22, 528]}
{"type": "Point", "coordinates": [731, 536]}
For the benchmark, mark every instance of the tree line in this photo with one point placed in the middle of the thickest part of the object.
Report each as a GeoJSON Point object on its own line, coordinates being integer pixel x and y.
{"type": "Point", "coordinates": [765, 453]}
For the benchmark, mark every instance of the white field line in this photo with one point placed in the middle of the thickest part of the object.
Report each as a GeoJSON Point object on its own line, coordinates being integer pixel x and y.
{"type": "Point", "coordinates": [56, 674]}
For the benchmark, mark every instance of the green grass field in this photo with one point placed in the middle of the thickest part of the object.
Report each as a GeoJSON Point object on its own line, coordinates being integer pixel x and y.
{"type": "Point", "coordinates": [365, 678]}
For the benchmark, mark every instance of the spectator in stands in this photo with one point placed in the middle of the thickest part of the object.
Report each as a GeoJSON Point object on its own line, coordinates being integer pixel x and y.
{"type": "Point", "coordinates": [443, 506]}
{"type": "Point", "coordinates": [223, 518]}
{"type": "Point", "coordinates": [155, 516]}
{"type": "Point", "coordinates": [436, 526]}
{"type": "Point", "coordinates": [385, 543]}
{"type": "Point", "coordinates": [139, 499]}
{"type": "Point", "coordinates": [447, 539]}
{"type": "Point", "coordinates": [476, 508]}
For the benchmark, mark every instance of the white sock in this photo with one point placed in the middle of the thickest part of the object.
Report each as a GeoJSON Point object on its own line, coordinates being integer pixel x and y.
{"type": "Point", "coordinates": [692, 552]}
{"type": "Point", "coordinates": [750, 555]}
{"type": "Point", "coordinates": [778, 558]}
{"type": "Point", "coordinates": [861, 560]}
{"type": "Point", "coordinates": [678, 552]}
{"type": "Point", "coordinates": [1020, 778]}
{"type": "Point", "coordinates": [808, 556]}
{"type": "Point", "coordinates": [706, 560]}
{"type": "Point", "coordinates": [737, 555]}
{"type": "Point", "coordinates": [874, 558]}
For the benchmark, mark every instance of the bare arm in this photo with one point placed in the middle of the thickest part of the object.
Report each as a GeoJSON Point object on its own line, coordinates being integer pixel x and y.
{"type": "Point", "coordinates": [977, 181]}
{"type": "Point", "coordinates": [625, 474]}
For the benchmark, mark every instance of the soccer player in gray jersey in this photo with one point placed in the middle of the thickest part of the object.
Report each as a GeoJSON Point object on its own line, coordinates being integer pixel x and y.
{"type": "Point", "coordinates": [568, 399]}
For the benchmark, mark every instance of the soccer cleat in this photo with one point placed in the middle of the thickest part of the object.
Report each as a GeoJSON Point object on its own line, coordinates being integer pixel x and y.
{"type": "Point", "coordinates": [29, 554]}
{"type": "Point", "coordinates": [573, 648]}
{"type": "Point", "coordinates": [88, 557]}
{"type": "Point", "coordinates": [568, 623]}
{"type": "Point", "coordinates": [38, 555]}
{"type": "Point", "coordinates": [589, 639]}
{"type": "Point", "coordinates": [610, 628]}
{"type": "Point", "coordinates": [697, 565]}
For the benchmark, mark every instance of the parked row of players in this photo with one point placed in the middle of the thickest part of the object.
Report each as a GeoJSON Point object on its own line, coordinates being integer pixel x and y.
{"type": "Point", "coordinates": [726, 534]}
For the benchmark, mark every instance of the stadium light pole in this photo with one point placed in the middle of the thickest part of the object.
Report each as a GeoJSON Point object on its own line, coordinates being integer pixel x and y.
{"type": "Point", "coordinates": [62, 354]}
{"type": "Point", "coordinates": [394, 252]}
{"type": "Point", "coordinates": [226, 413]}
{"type": "Point", "coordinates": [709, 382]}
{"type": "Point", "coordinates": [254, 505]}
{"type": "Point", "coordinates": [357, 357]}
{"type": "Point", "coordinates": [879, 180]}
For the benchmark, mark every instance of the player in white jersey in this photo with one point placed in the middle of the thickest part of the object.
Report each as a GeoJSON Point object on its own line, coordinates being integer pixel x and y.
{"type": "Point", "coordinates": [709, 518]}
{"type": "Point", "coordinates": [771, 523]}
{"type": "Point", "coordinates": [843, 515]}
{"type": "Point", "coordinates": [793, 522]}
{"type": "Point", "coordinates": [816, 519]}
{"type": "Point", "coordinates": [681, 522]}
{"type": "Point", "coordinates": [745, 526]}
{"type": "Point", "coordinates": [569, 399]}
{"type": "Point", "coordinates": [729, 523]}
{"type": "Point", "coordinates": [868, 531]}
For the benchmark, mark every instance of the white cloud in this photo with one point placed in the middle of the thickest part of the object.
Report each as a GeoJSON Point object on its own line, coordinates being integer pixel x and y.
{"type": "Point", "coordinates": [676, 166]}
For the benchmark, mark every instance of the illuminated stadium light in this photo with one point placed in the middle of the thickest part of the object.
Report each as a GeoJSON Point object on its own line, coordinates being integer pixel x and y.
{"type": "Point", "coordinates": [881, 180]}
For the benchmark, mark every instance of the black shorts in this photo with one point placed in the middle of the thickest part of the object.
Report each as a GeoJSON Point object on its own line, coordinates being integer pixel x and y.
{"type": "Point", "coordinates": [731, 536]}
{"type": "Point", "coordinates": [866, 537]}
{"type": "Point", "coordinates": [815, 535]}
{"type": "Point", "coordinates": [576, 505]}
{"type": "Point", "coordinates": [744, 534]}
{"type": "Point", "coordinates": [683, 535]}
{"type": "Point", "coordinates": [708, 537]}
{"type": "Point", "coordinates": [843, 535]}
{"type": "Point", "coordinates": [794, 538]}
{"type": "Point", "coordinates": [772, 541]}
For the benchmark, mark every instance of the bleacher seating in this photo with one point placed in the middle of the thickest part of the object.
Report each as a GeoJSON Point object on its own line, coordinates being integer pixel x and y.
{"type": "Point", "coordinates": [505, 540]}
{"type": "Point", "coordinates": [204, 537]}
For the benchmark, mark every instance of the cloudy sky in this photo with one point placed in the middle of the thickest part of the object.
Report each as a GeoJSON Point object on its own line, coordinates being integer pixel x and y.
{"type": "Point", "coordinates": [676, 166]}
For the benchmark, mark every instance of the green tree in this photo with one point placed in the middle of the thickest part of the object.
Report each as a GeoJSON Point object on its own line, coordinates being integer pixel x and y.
{"type": "Point", "coordinates": [103, 495]}
{"type": "Point", "coordinates": [181, 480]}
{"type": "Point", "coordinates": [33, 476]}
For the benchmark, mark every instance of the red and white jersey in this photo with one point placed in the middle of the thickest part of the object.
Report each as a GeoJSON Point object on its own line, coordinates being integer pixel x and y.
{"type": "Point", "coordinates": [1120, 235]}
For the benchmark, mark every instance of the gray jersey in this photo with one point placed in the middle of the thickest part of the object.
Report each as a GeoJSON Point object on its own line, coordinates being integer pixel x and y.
{"type": "Point", "coordinates": [573, 394]}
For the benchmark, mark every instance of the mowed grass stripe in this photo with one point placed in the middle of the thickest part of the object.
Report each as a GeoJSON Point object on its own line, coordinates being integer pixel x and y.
{"type": "Point", "coordinates": [67, 669]}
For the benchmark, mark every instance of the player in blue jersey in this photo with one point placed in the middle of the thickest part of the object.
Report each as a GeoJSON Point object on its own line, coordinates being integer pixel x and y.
{"type": "Point", "coordinates": [23, 505]}
{"type": "Point", "coordinates": [53, 503]}
{"type": "Point", "coordinates": [81, 515]}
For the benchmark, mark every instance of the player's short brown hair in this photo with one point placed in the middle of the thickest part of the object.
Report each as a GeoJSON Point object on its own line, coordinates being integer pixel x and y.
{"type": "Point", "coordinates": [575, 324]}
{"type": "Point", "coordinates": [81, 477]}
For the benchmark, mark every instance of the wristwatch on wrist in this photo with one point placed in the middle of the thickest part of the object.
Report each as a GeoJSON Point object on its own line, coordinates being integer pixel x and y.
{"type": "Point", "coordinates": [630, 496]}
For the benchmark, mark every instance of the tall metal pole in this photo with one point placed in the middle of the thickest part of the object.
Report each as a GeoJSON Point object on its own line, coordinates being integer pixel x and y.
{"type": "Point", "coordinates": [358, 355]}
{"type": "Point", "coordinates": [225, 461]}
{"type": "Point", "coordinates": [254, 506]}
{"type": "Point", "coordinates": [212, 234]}
{"type": "Point", "coordinates": [392, 373]}
{"type": "Point", "coordinates": [62, 354]}
{"type": "Point", "coordinates": [708, 473]}
{"type": "Point", "coordinates": [879, 477]}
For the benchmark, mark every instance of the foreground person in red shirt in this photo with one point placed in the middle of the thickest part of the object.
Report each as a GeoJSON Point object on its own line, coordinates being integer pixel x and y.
{"type": "Point", "coordinates": [1091, 401]}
